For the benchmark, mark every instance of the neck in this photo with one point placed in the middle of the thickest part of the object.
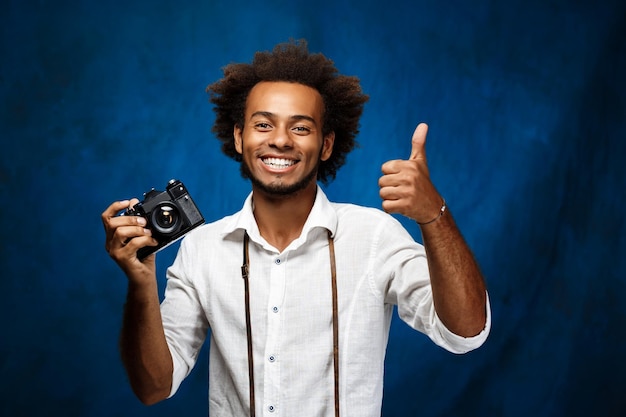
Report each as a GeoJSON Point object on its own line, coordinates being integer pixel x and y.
{"type": "Point", "coordinates": [281, 218]}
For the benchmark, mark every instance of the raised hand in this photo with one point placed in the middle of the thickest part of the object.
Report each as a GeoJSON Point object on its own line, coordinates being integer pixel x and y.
{"type": "Point", "coordinates": [124, 236]}
{"type": "Point", "coordinates": [405, 186]}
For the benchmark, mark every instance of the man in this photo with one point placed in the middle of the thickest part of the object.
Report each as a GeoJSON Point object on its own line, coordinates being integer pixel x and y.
{"type": "Point", "coordinates": [301, 330]}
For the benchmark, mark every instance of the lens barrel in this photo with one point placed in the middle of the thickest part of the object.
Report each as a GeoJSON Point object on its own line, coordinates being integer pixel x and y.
{"type": "Point", "coordinates": [165, 219]}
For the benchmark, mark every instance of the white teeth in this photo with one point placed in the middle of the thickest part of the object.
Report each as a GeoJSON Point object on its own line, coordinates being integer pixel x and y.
{"type": "Point", "coordinates": [278, 162]}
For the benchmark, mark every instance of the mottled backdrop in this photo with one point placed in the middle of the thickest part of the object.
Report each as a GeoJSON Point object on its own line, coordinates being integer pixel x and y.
{"type": "Point", "coordinates": [101, 100]}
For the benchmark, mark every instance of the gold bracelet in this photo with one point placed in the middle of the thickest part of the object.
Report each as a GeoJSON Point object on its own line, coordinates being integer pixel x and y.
{"type": "Point", "coordinates": [441, 211]}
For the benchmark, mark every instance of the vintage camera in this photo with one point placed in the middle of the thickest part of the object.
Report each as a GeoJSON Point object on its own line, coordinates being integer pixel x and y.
{"type": "Point", "coordinates": [170, 215]}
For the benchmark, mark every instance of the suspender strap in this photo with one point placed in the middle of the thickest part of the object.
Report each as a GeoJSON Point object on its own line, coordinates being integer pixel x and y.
{"type": "Point", "coordinates": [244, 275]}
{"type": "Point", "coordinates": [333, 276]}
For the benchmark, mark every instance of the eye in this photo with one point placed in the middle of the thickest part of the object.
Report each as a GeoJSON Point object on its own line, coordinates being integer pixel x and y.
{"type": "Point", "coordinates": [262, 126]}
{"type": "Point", "coordinates": [302, 129]}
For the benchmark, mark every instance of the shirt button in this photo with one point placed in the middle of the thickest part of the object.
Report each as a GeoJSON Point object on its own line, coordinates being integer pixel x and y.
{"type": "Point", "coordinates": [272, 358]}
{"type": "Point", "coordinates": [277, 261]}
{"type": "Point", "coordinates": [271, 408]}
{"type": "Point", "coordinates": [275, 309]}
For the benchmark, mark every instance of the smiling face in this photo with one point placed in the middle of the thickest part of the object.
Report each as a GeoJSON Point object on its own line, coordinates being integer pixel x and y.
{"type": "Point", "coordinates": [281, 142]}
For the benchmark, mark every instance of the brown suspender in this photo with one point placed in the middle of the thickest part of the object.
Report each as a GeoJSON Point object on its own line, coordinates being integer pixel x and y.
{"type": "Point", "coordinates": [333, 278]}
{"type": "Point", "coordinates": [333, 275]}
{"type": "Point", "coordinates": [244, 275]}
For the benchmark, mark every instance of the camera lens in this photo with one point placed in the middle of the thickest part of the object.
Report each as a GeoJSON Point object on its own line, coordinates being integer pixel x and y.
{"type": "Point", "coordinates": [165, 219]}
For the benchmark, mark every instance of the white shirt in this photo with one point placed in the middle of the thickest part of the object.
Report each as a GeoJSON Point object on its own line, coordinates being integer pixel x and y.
{"type": "Point", "coordinates": [379, 265]}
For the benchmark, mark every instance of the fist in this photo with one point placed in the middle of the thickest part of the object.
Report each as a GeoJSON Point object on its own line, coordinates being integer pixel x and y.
{"type": "Point", "coordinates": [405, 186]}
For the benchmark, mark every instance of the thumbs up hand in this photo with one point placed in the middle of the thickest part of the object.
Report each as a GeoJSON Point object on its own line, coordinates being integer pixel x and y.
{"type": "Point", "coordinates": [405, 186]}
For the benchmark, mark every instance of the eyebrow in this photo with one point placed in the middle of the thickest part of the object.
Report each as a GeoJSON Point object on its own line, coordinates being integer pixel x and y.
{"type": "Point", "coordinates": [295, 117]}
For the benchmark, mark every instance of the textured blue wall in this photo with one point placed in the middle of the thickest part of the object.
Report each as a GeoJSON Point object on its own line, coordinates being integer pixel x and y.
{"type": "Point", "coordinates": [526, 103]}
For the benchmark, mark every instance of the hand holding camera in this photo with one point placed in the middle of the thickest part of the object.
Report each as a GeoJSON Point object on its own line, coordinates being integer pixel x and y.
{"type": "Point", "coordinates": [148, 226]}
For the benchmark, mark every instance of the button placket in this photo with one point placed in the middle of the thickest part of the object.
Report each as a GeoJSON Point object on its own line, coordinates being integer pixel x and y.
{"type": "Point", "coordinates": [273, 335]}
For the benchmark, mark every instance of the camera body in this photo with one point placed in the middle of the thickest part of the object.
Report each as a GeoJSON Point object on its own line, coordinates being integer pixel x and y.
{"type": "Point", "coordinates": [170, 215]}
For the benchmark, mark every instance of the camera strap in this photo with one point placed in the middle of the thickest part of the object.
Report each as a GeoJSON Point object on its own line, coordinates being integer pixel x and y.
{"type": "Point", "coordinates": [245, 269]}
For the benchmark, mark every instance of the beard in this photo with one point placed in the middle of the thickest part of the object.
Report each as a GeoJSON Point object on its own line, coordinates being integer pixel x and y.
{"type": "Point", "coordinates": [278, 188]}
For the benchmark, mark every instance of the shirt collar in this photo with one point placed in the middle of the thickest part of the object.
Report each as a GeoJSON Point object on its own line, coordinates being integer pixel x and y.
{"type": "Point", "coordinates": [322, 215]}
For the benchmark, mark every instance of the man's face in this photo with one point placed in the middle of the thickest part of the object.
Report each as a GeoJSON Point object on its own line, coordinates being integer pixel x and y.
{"type": "Point", "coordinates": [282, 143]}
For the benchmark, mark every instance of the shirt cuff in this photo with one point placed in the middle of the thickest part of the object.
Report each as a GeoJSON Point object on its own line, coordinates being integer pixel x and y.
{"type": "Point", "coordinates": [459, 344]}
{"type": "Point", "coordinates": [179, 373]}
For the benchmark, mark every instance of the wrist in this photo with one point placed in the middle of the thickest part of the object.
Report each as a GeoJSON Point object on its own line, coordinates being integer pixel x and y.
{"type": "Point", "coordinates": [442, 211]}
{"type": "Point", "coordinates": [142, 288]}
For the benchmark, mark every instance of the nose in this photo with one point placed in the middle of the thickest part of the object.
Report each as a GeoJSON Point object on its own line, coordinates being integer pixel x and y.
{"type": "Point", "coordinates": [281, 139]}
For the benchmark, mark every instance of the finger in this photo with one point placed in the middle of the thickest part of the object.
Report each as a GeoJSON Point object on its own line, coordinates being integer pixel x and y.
{"type": "Point", "coordinates": [418, 142]}
{"type": "Point", "coordinates": [392, 206]}
{"type": "Point", "coordinates": [388, 193]}
{"type": "Point", "coordinates": [391, 180]}
{"type": "Point", "coordinates": [390, 167]}
{"type": "Point", "coordinates": [123, 236]}
{"type": "Point", "coordinates": [138, 242]}
{"type": "Point", "coordinates": [120, 221]}
{"type": "Point", "coordinates": [115, 208]}
{"type": "Point", "coordinates": [126, 255]}
{"type": "Point", "coordinates": [111, 216]}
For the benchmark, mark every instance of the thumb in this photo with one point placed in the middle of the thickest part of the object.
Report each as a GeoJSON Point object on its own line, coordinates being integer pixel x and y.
{"type": "Point", "coordinates": [418, 142]}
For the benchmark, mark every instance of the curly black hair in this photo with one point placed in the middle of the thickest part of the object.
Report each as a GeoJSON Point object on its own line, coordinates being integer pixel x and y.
{"type": "Point", "coordinates": [291, 62]}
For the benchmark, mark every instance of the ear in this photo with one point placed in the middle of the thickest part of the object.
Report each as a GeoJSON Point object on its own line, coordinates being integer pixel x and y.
{"type": "Point", "coordinates": [327, 146]}
{"type": "Point", "coordinates": [238, 135]}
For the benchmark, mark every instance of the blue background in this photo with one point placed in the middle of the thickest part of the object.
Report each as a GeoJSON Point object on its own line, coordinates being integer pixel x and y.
{"type": "Point", "coordinates": [526, 106]}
